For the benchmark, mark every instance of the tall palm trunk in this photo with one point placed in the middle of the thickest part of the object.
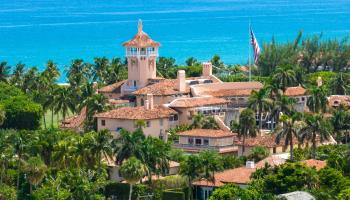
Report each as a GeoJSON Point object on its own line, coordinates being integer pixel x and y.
{"type": "Point", "coordinates": [243, 145]}
{"type": "Point", "coordinates": [314, 146]}
{"type": "Point", "coordinates": [260, 119]}
{"type": "Point", "coordinates": [190, 185]}
{"type": "Point", "coordinates": [291, 149]}
{"type": "Point", "coordinates": [44, 118]}
{"type": "Point", "coordinates": [51, 117]}
{"type": "Point", "coordinates": [130, 191]}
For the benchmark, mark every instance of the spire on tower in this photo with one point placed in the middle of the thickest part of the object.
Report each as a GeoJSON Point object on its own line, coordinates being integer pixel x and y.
{"type": "Point", "coordinates": [139, 26]}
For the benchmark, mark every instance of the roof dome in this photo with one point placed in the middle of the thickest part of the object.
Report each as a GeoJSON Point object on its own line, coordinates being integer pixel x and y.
{"type": "Point", "coordinates": [141, 39]}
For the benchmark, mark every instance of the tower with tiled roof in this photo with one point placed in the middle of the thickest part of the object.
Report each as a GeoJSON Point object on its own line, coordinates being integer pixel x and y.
{"type": "Point", "coordinates": [141, 54]}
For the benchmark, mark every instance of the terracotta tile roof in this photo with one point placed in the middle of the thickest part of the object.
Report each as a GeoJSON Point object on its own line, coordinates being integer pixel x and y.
{"type": "Point", "coordinates": [118, 101]}
{"type": "Point", "coordinates": [164, 87]}
{"type": "Point", "coordinates": [240, 175]}
{"type": "Point", "coordinates": [135, 113]}
{"type": "Point", "coordinates": [205, 182]}
{"type": "Point", "coordinates": [197, 102]}
{"type": "Point", "coordinates": [206, 133]}
{"type": "Point", "coordinates": [112, 87]}
{"type": "Point", "coordinates": [75, 121]}
{"type": "Point", "coordinates": [226, 89]}
{"type": "Point", "coordinates": [268, 140]}
{"type": "Point", "coordinates": [318, 164]}
{"type": "Point", "coordinates": [141, 39]}
{"type": "Point", "coordinates": [336, 100]}
{"type": "Point", "coordinates": [272, 160]}
{"type": "Point", "coordinates": [295, 91]}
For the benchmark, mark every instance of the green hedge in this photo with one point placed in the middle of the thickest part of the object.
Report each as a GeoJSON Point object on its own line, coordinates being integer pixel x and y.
{"type": "Point", "coordinates": [21, 113]}
{"type": "Point", "coordinates": [176, 194]}
{"type": "Point", "coordinates": [121, 190]}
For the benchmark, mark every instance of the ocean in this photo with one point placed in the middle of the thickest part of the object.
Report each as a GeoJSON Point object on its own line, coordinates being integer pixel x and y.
{"type": "Point", "coordinates": [34, 31]}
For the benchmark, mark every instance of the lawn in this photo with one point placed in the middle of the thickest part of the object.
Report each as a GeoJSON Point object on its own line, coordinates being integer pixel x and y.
{"type": "Point", "coordinates": [57, 117]}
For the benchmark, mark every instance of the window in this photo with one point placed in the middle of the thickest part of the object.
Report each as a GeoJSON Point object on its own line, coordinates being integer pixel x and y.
{"type": "Point", "coordinates": [142, 102]}
{"type": "Point", "coordinates": [174, 118]}
{"type": "Point", "coordinates": [190, 140]}
{"type": "Point", "coordinates": [161, 134]}
{"type": "Point", "coordinates": [118, 129]}
{"type": "Point", "coordinates": [206, 142]}
{"type": "Point", "coordinates": [198, 141]}
{"type": "Point", "coordinates": [148, 123]}
{"type": "Point", "coordinates": [274, 150]}
{"type": "Point", "coordinates": [134, 83]}
{"type": "Point", "coordinates": [103, 122]}
{"type": "Point", "coordinates": [302, 98]}
{"type": "Point", "coordinates": [161, 122]}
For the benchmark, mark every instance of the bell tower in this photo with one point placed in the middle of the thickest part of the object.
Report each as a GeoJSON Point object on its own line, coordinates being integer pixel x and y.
{"type": "Point", "coordinates": [141, 53]}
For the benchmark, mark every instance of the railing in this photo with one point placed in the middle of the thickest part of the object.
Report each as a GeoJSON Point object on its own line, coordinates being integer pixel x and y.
{"type": "Point", "coordinates": [194, 146]}
{"type": "Point", "coordinates": [141, 53]}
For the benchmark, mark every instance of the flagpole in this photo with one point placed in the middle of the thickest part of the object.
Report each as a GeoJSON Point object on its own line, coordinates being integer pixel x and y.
{"type": "Point", "coordinates": [250, 50]}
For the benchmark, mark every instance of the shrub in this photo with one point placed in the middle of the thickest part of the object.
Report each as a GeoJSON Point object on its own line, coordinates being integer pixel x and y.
{"type": "Point", "coordinates": [176, 194]}
{"type": "Point", "coordinates": [7, 192]}
{"type": "Point", "coordinates": [21, 113]}
{"type": "Point", "coordinates": [121, 190]}
{"type": "Point", "coordinates": [8, 91]}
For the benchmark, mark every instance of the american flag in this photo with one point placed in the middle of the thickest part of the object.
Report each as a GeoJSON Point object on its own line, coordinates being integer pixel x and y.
{"type": "Point", "coordinates": [255, 45]}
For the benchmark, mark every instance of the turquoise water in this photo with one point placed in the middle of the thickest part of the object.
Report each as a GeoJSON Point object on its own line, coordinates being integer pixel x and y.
{"type": "Point", "coordinates": [33, 31]}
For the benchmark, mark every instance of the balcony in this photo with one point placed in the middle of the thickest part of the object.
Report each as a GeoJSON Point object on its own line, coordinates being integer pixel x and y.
{"type": "Point", "coordinates": [197, 148]}
{"type": "Point", "coordinates": [138, 53]}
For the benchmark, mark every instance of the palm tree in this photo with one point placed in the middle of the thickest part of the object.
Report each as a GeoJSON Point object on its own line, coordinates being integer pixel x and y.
{"type": "Point", "coordinates": [19, 143]}
{"type": "Point", "coordinates": [289, 131]}
{"type": "Point", "coordinates": [165, 67]}
{"type": "Point", "coordinates": [198, 121]}
{"type": "Point", "coordinates": [18, 73]}
{"type": "Point", "coordinates": [340, 84]}
{"type": "Point", "coordinates": [95, 104]}
{"type": "Point", "coordinates": [340, 121]}
{"type": "Point", "coordinates": [283, 104]}
{"type": "Point", "coordinates": [102, 145]}
{"type": "Point", "coordinates": [4, 71]}
{"type": "Point", "coordinates": [100, 68]}
{"type": "Point", "coordinates": [116, 71]}
{"type": "Point", "coordinates": [140, 123]}
{"type": "Point", "coordinates": [78, 73]}
{"type": "Point", "coordinates": [317, 101]}
{"type": "Point", "coordinates": [212, 163]}
{"type": "Point", "coordinates": [35, 170]}
{"type": "Point", "coordinates": [6, 152]}
{"type": "Point", "coordinates": [156, 156]}
{"type": "Point", "coordinates": [128, 144]}
{"type": "Point", "coordinates": [132, 171]}
{"type": "Point", "coordinates": [63, 101]}
{"type": "Point", "coordinates": [191, 168]}
{"type": "Point", "coordinates": [246, 126]}
{"type": "Point", "coordinates": [259, 101]}
{"type": "Point", "coordinates": [191, 61]}
{"type": "Point", "coordinates": [284, 77]}
{"type": "Point", "coordinates": [316, 126]}
{"type": "Point", "coordinates": [30, 80]}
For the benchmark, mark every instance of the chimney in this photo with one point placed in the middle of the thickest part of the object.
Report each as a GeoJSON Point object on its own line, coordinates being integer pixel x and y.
{"type": "Point", "coordinates": [181, 80]}
{"type": "Point", "coordinates": [250, 164]}
{"type": "Point", "coordinates": [150, 101]}
{"type": "Point", "coordinates": [146, 104]}
{"type": "Point", "coordinates": [207, 69]}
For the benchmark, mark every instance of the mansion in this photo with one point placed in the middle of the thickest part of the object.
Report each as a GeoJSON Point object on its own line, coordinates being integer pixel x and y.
{"type": "Point", "coordinates": [167, 103]}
